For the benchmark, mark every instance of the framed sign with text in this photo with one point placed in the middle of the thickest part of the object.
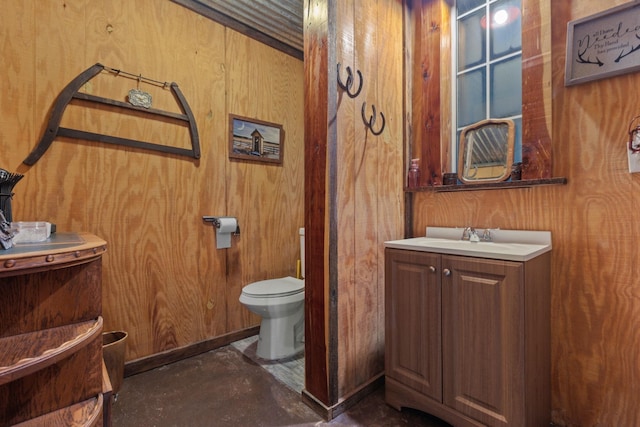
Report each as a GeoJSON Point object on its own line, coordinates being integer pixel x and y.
{"type": "Point", "coordinates": [603, 45]}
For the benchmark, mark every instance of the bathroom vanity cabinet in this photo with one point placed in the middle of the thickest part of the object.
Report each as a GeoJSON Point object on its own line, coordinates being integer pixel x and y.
{"type": "Point", "coordinates": [51, 366]}
{"type": "Point", "coordinates": [468, 339]}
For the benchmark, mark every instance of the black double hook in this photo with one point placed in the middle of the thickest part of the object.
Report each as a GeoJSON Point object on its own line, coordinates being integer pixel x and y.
{"type": "Point", "coordinates": [347, 86]}
{"type": "Point", "coordinates": [372, 120]}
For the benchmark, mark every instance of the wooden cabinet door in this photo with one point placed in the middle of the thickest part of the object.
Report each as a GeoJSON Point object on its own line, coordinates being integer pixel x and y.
{"type": "Point", "coordinates": [483, 339]}
{"type": "Point", "coordinates": [413, 320]}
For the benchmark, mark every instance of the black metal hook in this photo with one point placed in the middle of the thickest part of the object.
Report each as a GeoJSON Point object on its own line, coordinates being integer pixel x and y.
{"type": "Point", "coordinates": [347, 86]}
{"type": "Point", "coordinates": [372, 120]}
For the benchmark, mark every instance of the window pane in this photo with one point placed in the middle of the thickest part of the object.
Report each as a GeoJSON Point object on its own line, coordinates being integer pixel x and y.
{"type": "Point", "coordinates": [471, 97]}
{"type": "Point", "coordinates": [465, 6]}
{"type": "Point", "coordinates": [471, 41]}
{"type": "Point", "coordinates": [489, 65]}
{"type": "Point", "coordinates": [505, 27]}
{"type": "Point", "coordinates": [506, 88]}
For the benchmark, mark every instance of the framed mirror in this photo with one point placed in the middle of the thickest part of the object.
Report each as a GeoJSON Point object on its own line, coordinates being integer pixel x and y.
{"type": "Point", "coordinates": [485, 153]}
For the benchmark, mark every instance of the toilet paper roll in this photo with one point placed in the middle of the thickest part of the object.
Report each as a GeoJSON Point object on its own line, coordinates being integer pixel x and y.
{"type": "Point", "coordinates": [227, 225]}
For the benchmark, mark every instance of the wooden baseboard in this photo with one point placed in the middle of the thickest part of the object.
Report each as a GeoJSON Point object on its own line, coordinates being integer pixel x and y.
{"type": "Point", "coordinates": [170, 356]}
{"type": "Point", "coordinates": [346, 402]}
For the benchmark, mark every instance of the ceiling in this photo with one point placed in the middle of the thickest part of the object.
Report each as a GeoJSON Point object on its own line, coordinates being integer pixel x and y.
{"type": "Point", "coordinates": [279, 20]}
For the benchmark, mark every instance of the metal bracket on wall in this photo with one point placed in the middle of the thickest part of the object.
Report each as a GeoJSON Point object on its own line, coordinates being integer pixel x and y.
{"type": "Point", "coordinates": [70, 92]}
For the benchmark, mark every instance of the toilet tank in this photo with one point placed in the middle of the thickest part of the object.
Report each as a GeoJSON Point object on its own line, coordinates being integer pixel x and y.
{"type": "Point", "coordinates": [302, 270]}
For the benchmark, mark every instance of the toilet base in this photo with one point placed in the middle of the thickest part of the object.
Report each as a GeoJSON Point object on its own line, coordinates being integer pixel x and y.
{"type": "Point", "coordinates": [281, 337]}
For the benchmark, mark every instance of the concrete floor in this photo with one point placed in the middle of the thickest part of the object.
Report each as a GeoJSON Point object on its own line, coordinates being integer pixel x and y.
{"type": "Point", "coordinates": [225, 388]}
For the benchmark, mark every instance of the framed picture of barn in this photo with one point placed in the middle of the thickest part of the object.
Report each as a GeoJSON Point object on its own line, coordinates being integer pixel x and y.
{"type": "Point", "coordinates": [255, 140]}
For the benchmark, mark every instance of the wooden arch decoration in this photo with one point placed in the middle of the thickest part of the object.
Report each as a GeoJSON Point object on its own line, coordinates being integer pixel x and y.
{"type": "Point", "coordinates": [70, 92]}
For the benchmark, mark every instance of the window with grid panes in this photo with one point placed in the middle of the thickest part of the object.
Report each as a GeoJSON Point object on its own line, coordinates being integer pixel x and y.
{"type": "Point", "coordinates": [487, 65]}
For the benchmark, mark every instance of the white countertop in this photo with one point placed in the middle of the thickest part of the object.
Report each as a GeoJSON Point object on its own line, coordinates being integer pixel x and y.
{"type": "Point", "coordinates": [510, 245]}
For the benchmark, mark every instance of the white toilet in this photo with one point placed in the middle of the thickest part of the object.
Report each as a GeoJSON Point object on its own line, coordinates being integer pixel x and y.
{"type": "Point", "coordinates": [280, 303]}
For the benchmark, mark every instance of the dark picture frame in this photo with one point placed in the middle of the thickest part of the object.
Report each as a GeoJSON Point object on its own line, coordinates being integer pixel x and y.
{"type": "Point", "coordinates": [603, 45]}
{"type": "Point", "coordinates": [255, 140]}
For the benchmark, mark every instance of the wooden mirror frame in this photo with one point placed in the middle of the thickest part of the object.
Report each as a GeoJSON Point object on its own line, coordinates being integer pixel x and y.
{"type": "Point", "coordinates": [428, 89]}
{"type": "Point", "coordinates": [509, 136]}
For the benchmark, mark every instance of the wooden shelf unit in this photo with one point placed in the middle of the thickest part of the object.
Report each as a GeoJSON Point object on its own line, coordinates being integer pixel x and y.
{"type": "Point", "coordinates": [51, 367]}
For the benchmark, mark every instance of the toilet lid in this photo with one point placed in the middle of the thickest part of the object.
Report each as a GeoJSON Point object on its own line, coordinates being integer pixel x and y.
{"type": "Point", "coordinates": [282, 287]}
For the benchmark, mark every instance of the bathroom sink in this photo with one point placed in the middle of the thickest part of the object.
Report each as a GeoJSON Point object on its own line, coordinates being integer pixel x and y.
{"type": "Point", "coordinates": [511, 245]}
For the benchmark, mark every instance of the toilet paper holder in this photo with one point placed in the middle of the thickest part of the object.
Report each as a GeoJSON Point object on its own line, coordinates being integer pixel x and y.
{"type": "Point", "coordinates": [216, 222]}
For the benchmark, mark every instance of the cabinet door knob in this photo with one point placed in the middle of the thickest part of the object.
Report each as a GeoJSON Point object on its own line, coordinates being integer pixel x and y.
{"type": "Point", "coordinates": [446, 272]}
{"type": "Point", "coordinates": [432, 269]}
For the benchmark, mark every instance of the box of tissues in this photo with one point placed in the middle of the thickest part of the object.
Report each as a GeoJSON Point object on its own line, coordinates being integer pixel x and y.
{"type": "Point", "coordinates": [31, 232]}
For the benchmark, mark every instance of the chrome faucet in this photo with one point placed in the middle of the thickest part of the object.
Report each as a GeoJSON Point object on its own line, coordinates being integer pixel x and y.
{"type": "Point", "coordinates": [472, 235]}
{"type": "Point", "coordinates": [468, 234]}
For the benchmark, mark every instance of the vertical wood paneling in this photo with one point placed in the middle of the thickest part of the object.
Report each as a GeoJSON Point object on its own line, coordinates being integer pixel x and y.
{"type": "Point", "coordinates": [595, 305]}
{"type": "Point", "coordinates": [370, 46]}
{"type": "Point", "coordinates": [349, 148]}
{"type": "Point", "coordinates": [165, 282]}
{"type": "Point", "coordinates": [263, 88]}
{"type": "Point", "coordinates": [17, 88]}
{"type": "Point", "coordinates": [425, 39]}
{"type": "Point", "coordinates": [536, 109]}
{"type": "Point", "coordinates": [369, 182]}
{"type": "Point", "coordinates": [363, 179]}
{"type": "Point", "coordinates": [431, 62]}
{"type": "Point", "coordinates": [390, 151]}
{"type": "Point", "coordinates": [319, 134]}
{"type": "Point", "coordinates": [211, 57]}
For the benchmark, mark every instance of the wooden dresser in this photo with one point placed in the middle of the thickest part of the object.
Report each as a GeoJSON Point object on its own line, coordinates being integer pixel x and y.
{"type": "Point", "coordinates": [51, 366]}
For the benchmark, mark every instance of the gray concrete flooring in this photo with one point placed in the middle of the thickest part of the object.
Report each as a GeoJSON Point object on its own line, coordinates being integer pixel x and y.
{"type": "Point", "coordinates": [225, 388]}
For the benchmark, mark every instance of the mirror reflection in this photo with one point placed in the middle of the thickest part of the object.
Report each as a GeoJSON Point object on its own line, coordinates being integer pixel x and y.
{"type": "Point", "coordinates": [486, 151]}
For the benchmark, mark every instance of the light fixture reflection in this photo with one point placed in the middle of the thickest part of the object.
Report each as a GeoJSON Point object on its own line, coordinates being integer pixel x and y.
{"type": "Point", "coordinates": [501, 17]}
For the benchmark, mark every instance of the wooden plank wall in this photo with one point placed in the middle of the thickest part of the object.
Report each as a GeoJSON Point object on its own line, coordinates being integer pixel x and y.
{"type": "Point", "coordinates": [428, 63]}
{"type": "Point", "coordinates": [370, 179]}
{"type": "Point", "coordinates": [593, 219]}
{"type": "Point", "coordinates": [164, 281]}
{"type": "Point", "coordinates": [319, 135]}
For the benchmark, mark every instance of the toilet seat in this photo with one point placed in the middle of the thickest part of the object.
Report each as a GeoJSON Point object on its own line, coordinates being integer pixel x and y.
{"type": "Point", "coordinates": [274, 288]}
